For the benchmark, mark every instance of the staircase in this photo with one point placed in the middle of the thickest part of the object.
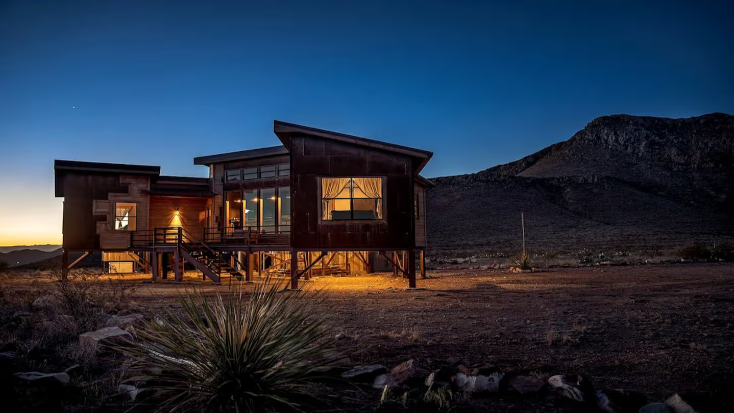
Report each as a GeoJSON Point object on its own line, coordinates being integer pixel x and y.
{"type": "Point", "coordinates": [212, 264]}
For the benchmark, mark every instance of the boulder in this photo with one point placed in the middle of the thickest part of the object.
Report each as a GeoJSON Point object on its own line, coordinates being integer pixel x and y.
{"type": "Point", "coordinates": [411, 372]}
{"type": "Point", "coordinates": [94, 339]}
{"type": "Point", "coordinates": [480, 383]}
{"type": "Point", "coordinates": [570, 386]}
{"type": "Point", "coordinates": [380, 381]}
{"type": "Point", "coordinates": [128, 391]}
{"type": "Point", "coordinates": [619, 401]}
{"type": "Point", "coordinates": [36, 377]}
{"type": "Point", "coordinates": [365, 374]}
{"type": "Point", "coordinates": [443, 377]}
{"type": "Point", "coordinates": [45, 301]}
{"type": "Point", "coordinates": [525, 384]}
{"type": "Point", "coordinates": [657, 408]}
{"type": "Point", "coordinates": [124, 321]}
{"type": "Point", "coordinates": [681, 403]}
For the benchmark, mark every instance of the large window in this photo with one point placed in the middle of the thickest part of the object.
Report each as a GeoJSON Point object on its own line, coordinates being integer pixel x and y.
{"type": "Point", "coordinates": [351, 199]}
{"type": "Point", "coordinates": [266, 210]}
{"type": "Point", "coordinates": [266, 171]}
{"type": "Point", "coordinates": [125, 216]}
{"type": "Point", "coordinates": [284, 205]}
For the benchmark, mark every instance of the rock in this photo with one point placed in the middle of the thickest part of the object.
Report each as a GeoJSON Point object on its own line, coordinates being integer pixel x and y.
{"type": "Point", "coordinates": [365, 374]}
{"type": "Point", "coordinates": [94, 339]}
{"type": "Point", "coordinates": [128, 391]}
{"type": "Point", "coordinates": [443, 377]}
{"type": "Point", "coordinates": [459, 260]}
{"type": "Point", "coordinates": [380, 381]}
{"type": "Point", "coordinates": [36, 377]}
{"type": "Point", "coordinates": [410, 372]}
{"type": "Point", "coordinates": [682, 403]}
{"type": "Point", "coordinates": [569, 386]}
{"type": "Point", "coordinates": [480, 383]}
{"type": "Point", "coordinates": [619, 401]}
{"type": "Point", "coordinates": [657, 408]}
{"type": "Point", "coordinates": [45, 301]}
{"type": "Point", "coordinates": [123, 321]}
{"type": "Point", "coordinates": [526, 384]}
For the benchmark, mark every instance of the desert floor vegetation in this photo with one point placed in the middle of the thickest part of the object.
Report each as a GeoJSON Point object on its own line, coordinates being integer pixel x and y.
{"type": "Point", "coordinates": [657, 329]}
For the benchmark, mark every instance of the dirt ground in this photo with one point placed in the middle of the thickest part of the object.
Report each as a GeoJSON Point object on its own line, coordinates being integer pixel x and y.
{"type": "Point", "coordinates": [658, 329]}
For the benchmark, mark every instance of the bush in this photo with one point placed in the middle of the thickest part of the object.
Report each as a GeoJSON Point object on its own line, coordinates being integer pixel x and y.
{"type": "Point", "coordinates": [522, 261]}
{"type": "Point", "coordinates": [226, 354]}
{"type": "Point", "coordinates": [4, 266]}
{"type": "Point", "coordinates": [700, 252]}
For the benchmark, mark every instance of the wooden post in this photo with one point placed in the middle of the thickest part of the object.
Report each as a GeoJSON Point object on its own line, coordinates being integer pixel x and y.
{"type": "Point", "coordinates": [176, 266]}
{"type": "Point", "coordinates": [164, 265]}
{"type": "Point", "coordinates": [411, 268]}
{"type": "Point", "coordinates": [307, 263]}
{"type": "Point", "coordinates": [423, 263]}
{"type": "Point", "coordinates": [154, 264]}
{"type": "Point", "coordinates": [403, 262]}
{"type": "Point", "coordinates": [294, 270]}
{"type": "Point", "coordinates": [146, 269]}
{"type": "Point", "coordinates": [394, 266]}
{"type": "Point", "coordinates": [64, 264]}
{"type": "Point", "coordinates": [250, 266]}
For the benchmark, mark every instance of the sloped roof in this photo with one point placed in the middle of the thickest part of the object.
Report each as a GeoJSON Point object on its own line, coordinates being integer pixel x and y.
{"type": "Point", "coordinates": [63, 165]}
{"type": "Point", "coordinates": [284, 129]}
{"type": "Point", "coordinates": [240, 155]}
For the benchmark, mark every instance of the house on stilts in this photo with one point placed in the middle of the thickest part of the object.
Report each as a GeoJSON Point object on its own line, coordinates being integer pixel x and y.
{"type": "Point", "coordinates": [322, 203]}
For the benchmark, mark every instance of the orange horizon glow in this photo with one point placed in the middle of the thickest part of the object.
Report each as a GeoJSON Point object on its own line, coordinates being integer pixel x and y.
{"type": "Point", "coordinates": [29, 217]}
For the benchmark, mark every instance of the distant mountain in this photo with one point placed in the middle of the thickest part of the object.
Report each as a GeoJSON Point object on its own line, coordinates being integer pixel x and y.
{"type": "Point", "coordinates": [622, 181]}
{"type": "Point", "coordinates": [46, 248]}
{"type": "Point", "coordinates": [27, 256]}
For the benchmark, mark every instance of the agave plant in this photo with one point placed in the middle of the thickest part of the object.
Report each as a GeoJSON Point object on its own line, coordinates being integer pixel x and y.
{"type": "Point", "coordinates": [231, 354]}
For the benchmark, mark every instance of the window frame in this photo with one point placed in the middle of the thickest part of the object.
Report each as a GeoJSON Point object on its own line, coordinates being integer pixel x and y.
{"type": "Point", "coordinates": [320, 201]}
{"type": "Point", "coordinates": [115, 216]}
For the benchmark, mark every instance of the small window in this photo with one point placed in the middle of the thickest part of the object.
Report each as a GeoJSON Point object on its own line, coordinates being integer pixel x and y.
{"type": "Point", "coordinates": [284, 169]}
{"type": "Point", "coordinates": [250, 173]}
{"type": "Point", "coordinates": [267, 171]}
{"type": "Point", "coordinates": [233, 175]}
{"type": "Point", "coordinates": [345, 199]}
{"type": "Point", "coordinates": [125, 216]}
{"type": "Point", "coordinates": [416, 206]}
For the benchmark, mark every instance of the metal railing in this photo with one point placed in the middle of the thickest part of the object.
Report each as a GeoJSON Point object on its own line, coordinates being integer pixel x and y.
{"type": "Point", "coordinates": [270, 235]}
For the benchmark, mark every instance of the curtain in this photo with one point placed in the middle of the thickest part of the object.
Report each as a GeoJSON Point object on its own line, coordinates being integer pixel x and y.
{"type": "Point", "coordinates": [372, 187]}
{"type": "Point", "coordinates": [330, 188]}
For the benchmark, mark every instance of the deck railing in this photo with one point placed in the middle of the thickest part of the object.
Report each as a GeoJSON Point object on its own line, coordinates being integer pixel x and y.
{"type": "Point", "coordinates": [269, 235]}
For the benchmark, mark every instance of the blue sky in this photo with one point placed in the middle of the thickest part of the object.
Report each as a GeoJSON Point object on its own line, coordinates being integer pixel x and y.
{"type": "Point", "coordinates": [477, 83]}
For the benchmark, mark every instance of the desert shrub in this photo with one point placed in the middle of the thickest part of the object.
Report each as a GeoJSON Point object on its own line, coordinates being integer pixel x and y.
{"type": "Point", "coordinates": [551, 254]}
{"type": "Point", "coordinates": [223, 353]}
{"type": "Point", "coordinates": [4, 266]}
{"type": "Point", "coordinates": [88, 297]}
{"type": "Point", "coordinates": [522, 261]}
{"type": "Point", "coordinates": [700, 252]}
{"type": "Point", "coordinates": [439, 400]}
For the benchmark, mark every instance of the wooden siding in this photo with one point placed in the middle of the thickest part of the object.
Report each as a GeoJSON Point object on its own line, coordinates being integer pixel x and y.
{"type": "Point", "coordinates": [81, 189]}
{"type": "Point", "coordinates": [420, 223]}
{"type": "Point", "coordinates": [191, 214]}
{"type": "Point", "coordinates": [116, 256]}
{"type": "Point", "coordinates": [312, 158]}
{"type": "Point", "coordinates": [109, 238]}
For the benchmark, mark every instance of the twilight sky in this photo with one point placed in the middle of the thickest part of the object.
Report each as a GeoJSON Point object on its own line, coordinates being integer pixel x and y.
{"type": "Point", "coordinates": [479, 84]}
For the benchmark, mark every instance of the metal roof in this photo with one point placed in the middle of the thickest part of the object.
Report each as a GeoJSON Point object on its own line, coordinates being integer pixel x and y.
{"type": "Point", "coordinates": [240, 155]}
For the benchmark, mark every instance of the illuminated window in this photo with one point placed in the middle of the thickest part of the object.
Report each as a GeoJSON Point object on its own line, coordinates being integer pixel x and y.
{"type": "Point", "coordinates": [125, 216]}
{"type": "Point", "coordinates": [344, 199]}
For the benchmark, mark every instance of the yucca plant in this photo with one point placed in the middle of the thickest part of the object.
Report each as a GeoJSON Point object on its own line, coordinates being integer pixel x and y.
{"type": "Point", "coordinates": [523, 261]}
{"type": "Point", "coordinates": [231, 354]}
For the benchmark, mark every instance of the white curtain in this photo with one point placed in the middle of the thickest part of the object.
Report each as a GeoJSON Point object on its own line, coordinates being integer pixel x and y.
{"type": "Point", "coordinates": [330, 188]}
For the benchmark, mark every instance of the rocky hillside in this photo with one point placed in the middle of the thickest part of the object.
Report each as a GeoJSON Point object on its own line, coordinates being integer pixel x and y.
{"type": "Point", "coordinates": [621, 182]}
{"type": "Point", "coordinates": [27, 256]}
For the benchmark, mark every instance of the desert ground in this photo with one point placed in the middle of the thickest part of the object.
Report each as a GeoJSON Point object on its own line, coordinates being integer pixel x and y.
{"type": "Point", "coordinates": [657, 329]}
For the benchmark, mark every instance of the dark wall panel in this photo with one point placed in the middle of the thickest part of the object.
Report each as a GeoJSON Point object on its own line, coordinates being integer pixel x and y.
{"type": "Point", "coordinates": [314, 157]}
{"type": "Point", "coordinates": [80, 190]}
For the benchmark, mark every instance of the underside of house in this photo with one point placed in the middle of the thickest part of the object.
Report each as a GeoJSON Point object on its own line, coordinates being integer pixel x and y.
{"type": "Point", "coordinates": [321, 203]}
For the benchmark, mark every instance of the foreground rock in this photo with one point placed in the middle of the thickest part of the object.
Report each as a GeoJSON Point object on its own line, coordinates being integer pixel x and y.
{"type": "Point", "coordinates": [40, 391]}
{"type": "Point", "coordinates": [365, 374]}
{"type": "Point", "coordinates": [619, 401]}
{"type": "Point", "coordinates": [657, 408]}
{"type": "Point", "coordinates": [488, 382]}
{"type": "Point", "coordinates": [104, 336]}
{"type": "Point", "coordinates": [124, 321]}
{"type": "Point", "coordinates": [526, 384]}
{"type": "Point", "coordinates": [571, 386]}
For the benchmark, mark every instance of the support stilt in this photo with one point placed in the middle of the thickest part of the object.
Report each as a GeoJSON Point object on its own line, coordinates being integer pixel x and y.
{"type": "Point", "coordinates": [423, 263]}
{"type": "Point", "coordinates": [177, 276]}
{"type": "Point", "coordinates": [155, 264]}
{"type": "Point", "coordinates": [411, 268]}
{"type": "Point", "coordinates": [250, 266]}
{"type": "Point", "coordinates": [294, 270]}
{"type": "Point", "coordinates": [64, 264]}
